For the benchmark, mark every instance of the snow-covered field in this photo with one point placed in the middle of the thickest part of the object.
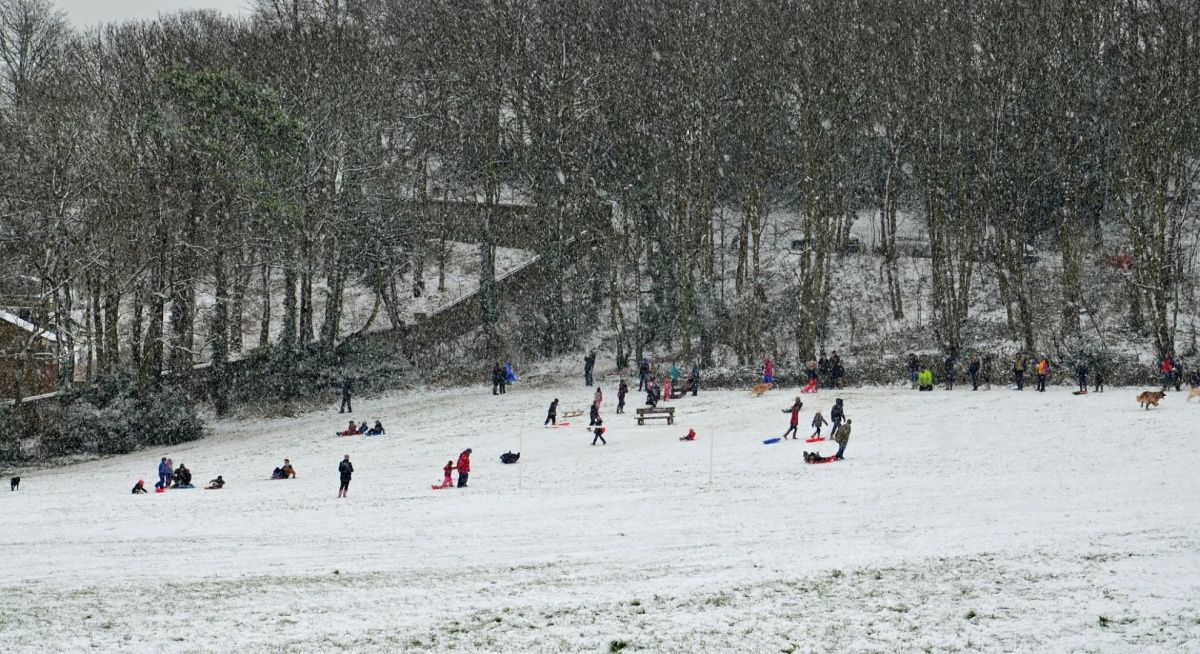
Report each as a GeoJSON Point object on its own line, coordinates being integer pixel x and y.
{"type": "Point", "coordinates": [993, 521]}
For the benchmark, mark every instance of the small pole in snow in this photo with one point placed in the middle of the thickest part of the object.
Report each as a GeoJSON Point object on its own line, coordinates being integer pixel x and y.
{"type": "Point", "coordinates": [711, 445]}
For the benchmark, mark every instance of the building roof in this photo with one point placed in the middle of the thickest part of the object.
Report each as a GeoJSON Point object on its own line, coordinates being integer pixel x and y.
{"type": "Point", "coordinates": [28, 326]}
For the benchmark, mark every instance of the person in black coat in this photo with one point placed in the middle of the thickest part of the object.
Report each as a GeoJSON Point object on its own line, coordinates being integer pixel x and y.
{"type": "Point", "coordinates": [499, 379]}
{"type": "Point", "coordinates": [552, 413]}
{"type": "Point", "coordinates": [973, 371]}
{"type": "Point", "coordinates": [346, 388]}
{"type": "Point", "coordinates": [836, 415]}
{"type": "Point", "coordinates": [589, 363]}
{"type": "Point", "coordinates": [622, 391]}
{"type": "Point", "coordinates": [1081, 373]}
{"type": "Point", "coordinates": [949, 371]}
{"type": "Point", "coordinates": [643, 373]}
{"type": "Point", "coordinates": [593, 415]}
{"type": "Point", "coordinates": [914, 367]}
{"type": "Point", "coordinates": [345, 469]}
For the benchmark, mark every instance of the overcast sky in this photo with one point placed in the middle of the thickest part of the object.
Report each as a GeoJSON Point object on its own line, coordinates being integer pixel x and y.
{"type": "Point", "coordinates": [85, 13]}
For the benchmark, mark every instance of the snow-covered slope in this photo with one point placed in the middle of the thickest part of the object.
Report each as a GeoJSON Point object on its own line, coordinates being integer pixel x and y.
{"type": "Point", "coordinates": [988, 520]}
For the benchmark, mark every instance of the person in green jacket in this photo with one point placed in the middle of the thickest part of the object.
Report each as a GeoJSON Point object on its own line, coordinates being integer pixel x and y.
{"type": "Point", "coordinates": [841, 438]}
{"type": "Point", "coordinates": [925, 380]}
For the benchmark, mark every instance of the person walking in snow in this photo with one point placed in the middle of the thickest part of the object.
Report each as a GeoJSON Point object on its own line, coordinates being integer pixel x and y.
{"type": "Point", "coordinates": [447, 482]}
{"type": "Point", "coordinates": [345, 470]}
{"type": "Point", "coordinates": [1018, 371]}
{"type": "Point", "coordinates": [836, 415]}
{"type": "Point", "coordinates": [794, 420]}
{"type": "Point", "coordinates": [949, 371]}
{"type": "Point", "coordinates": [973, 371]}
{"type": "Point", "coordinates": [817, 421]}
{"type": "Point", "coordinates": [552, 413]}
{"type": "Point", "coordinates": [695, 380]}
{"type": "Point", "coordinates": [987, 371]}
{"type": "Point", "coordinates": [841, 437]}
{"type": "Point", "coordinates": [498, 379]}
{"type": "Point", "coordinates": [589, 362]}
{"type": "Point", "coordinates": [622, 391]}
{"type": "Point", "coordinates": [464, 467]}
{"type": "Point", "coordinates": [914, 367]}
{"type": "Point", "coordinates": [643, 374]}
{"type": "Point", "coordinates": [1081, 373]}
{"type": "Point", "coordinates": [598, 434]}
{"type": "Point", "coordinates": [346, 388]}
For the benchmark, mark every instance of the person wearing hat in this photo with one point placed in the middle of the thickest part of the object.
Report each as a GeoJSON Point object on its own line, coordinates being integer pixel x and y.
{"type": "Point", "coordinates": [345, 469]}
{"type": "Point", "coordinates": [464, 467]}
{"type": "Point", "coordinates": [794, 421]}
{"type": "Point", "coordinates": [841, 438]}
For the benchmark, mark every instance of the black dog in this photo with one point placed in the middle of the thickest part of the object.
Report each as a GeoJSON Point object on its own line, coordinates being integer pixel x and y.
{"type": "Point", "coordinates": [16, 481]}
{"type": "Point", "coordinates": [509, 457]}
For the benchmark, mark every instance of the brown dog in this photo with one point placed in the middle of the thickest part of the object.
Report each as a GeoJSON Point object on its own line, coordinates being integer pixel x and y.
{"type": "Point", "coordinates": [759, 389]}
{"type": "Point", "coordinates": [1148, 398]}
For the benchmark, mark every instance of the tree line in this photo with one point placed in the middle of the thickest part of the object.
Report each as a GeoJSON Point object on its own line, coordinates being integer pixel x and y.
{"type": "Point", "coordinates": [148, 167]}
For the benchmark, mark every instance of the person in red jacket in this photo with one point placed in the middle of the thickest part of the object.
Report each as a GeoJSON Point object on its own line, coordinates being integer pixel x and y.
{"type": "Point", "coordinates": [768, 370]}
{"type": "Point", "coordinates": [464, 467]}
{"type": "Point", "coordinates": [1165, 369]}
{"type": "Point", "coordinates": [794, 420]}
{"type": "Point", "coordinates": [447, 482]}
{"type": "Point", "coordinates": [691, 436]}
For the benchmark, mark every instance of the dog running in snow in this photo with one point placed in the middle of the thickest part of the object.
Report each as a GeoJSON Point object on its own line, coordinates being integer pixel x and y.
{"type": "Point", "coordinates": [1148, 398]}
{"type": "Point", "coordinates": [759, 389]}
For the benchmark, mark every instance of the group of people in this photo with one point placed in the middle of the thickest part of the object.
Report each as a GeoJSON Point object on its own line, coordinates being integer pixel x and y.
{"type": "Point", "coordinates": [463, 467]}
{"type": "Point", "coordinates": [824, 372]}
{"type": "Point", "coordinates": [172, 477]}
{"type": "Point", "coordinates": [361, 429]}
{"type": "Point", "coordinates": [980, 371]}
{"type": "Point", "coordinates": [670, 387]}
{"type": "Point", "coordinates": [839, 427]}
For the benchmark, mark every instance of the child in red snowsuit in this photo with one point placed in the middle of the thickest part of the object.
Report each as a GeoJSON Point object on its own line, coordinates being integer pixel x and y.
{"type": "Point", "coordinates": [691, 436]}
{"type": "Point", "coordinates": [446, 481]}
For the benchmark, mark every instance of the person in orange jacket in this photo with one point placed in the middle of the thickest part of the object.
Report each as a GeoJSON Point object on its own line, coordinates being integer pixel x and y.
{"type": "Point", "coordinates": [1043, 369]}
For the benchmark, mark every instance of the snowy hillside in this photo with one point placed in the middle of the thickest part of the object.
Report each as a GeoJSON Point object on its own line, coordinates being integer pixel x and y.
{"type": "Point", "coordinates": [959, 521]}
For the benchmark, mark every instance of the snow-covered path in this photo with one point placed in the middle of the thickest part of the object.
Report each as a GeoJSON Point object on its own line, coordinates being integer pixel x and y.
{"type": "Point", "coordinates": [989, 520]}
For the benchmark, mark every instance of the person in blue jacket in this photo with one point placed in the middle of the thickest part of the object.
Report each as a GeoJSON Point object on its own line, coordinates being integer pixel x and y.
{"type": "Point", "coordinates": [164, 471]}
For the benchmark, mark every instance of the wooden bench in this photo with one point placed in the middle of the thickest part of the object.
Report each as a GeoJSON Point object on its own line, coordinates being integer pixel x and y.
{"type": "Point", "coordinates": [651, 413]}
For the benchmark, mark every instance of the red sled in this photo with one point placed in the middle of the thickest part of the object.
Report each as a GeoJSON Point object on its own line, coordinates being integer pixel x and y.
{"type": "Point", "coordinates": [828, 459]}
{"type": "Point", "coordinates": [816, 439]}
{"type": "Point", "coordinates": [810, 387]}
{"type": "Point", "coordinates": [560, 424]}
{"type": "Point", "coordinates": [441, 486]}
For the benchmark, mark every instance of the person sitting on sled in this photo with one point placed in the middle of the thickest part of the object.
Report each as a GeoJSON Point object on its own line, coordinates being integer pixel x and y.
{"type": "Point", "coordinates": [691, 436]}
{"type": "Point", "coordinates": [377, 430]}
{"type": "Point", "coordinates": [140, 487]}
{"type": "Point", "coordinates": [925, 380]}
{"type": "Point", "coordinates": [810, 371]}
{"type": "Point", "coordinates": [216, 484]}
{"type": "Point", "coordinates": [350, 431]}
{"type": "Point", "coordinates": [183, 477]}
{"type": "Point", "coordinates": [286, 471]}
